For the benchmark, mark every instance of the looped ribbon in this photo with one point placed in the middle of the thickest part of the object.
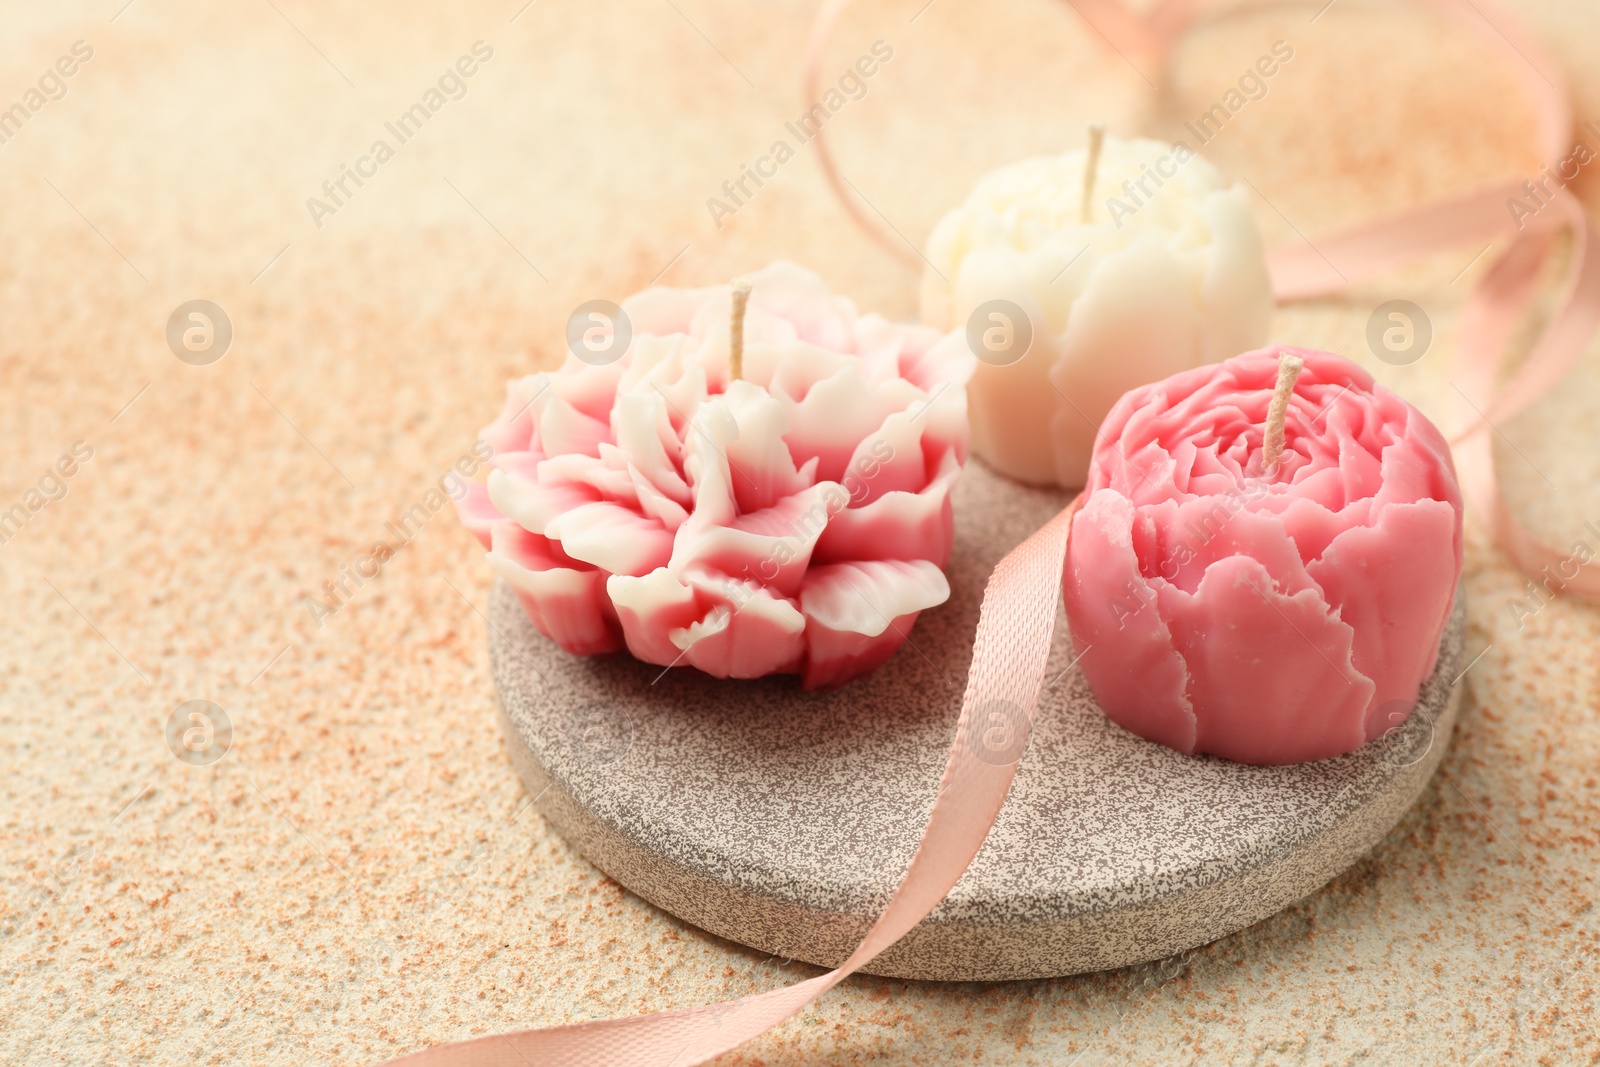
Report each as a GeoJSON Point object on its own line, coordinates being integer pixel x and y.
{"type": "Point", "coordinates": [1493, 308]}
{"type": "Point", "coordinates": [1020, 602]}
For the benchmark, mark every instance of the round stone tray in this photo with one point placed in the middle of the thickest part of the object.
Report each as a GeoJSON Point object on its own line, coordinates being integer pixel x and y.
{"type": "Point", "coordinates": [784, 819]}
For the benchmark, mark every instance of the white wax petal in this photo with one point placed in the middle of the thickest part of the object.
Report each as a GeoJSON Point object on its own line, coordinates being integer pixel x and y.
{"type": "Point", "coordinates": [1168, 273]}
{"type": "Point", "coordinates": [866, 597]}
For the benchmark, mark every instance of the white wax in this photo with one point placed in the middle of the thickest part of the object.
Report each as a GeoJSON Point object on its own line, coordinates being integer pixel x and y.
{"type": "Point", "coordinates": [1165, 276]}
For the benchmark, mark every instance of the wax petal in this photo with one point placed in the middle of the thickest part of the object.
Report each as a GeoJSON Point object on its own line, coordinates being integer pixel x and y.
{"type": "Point", "coordinates": [645, 437]}
{"type": "Point", "coordinates": [1395, 598]}
{"type": "Point", "coordinates": [773, 545]}
{"type": "Point", "coordinates": [588, 389]}
{"type": "Point", "coordinates": [1201, 532]}
{"type": "Point", "coordinates": [1124, 646]}
{"type": "Point", "coordinates": [890, 460]}
{"type": "Point", "coordinates": [478, 513]}
{"type": "Point", "coordinates": [663, 310]}
{"type": "Point", "coordinates": [762, 471]}
{"type": "Point", "coordinates": [1137, 311]}
{"type": "Point", "coordinates": [514, 429]}
{"type": "Point", "coordinates": [865, 598]}
{"type": "Point", "coordinates": [657, 505]}
{"type": "Point", "coordinates": [933, 362]}
{"type": "Point", "coordinates": [564, 429]}
{"type": "Point", "coordinates": [651, 606]}
{"type": "Point", "coordinates": [609, 474]}
{"type": "Point", "coordinates": [536, 504]}
{"type": "Point", "coordinates": [922, 524]}
{"type": "Point", "coordinates": [524, 465]}
{"type": "Point", "coordinates": [748, 632]}
{"type": "Point", "coordinates": [1271, 678]}
{"type": "Point", "coordinates": [797, 296]}
{"type": "Point", "coordinates": [858, 614]}
{"type": "Point", "coordinates": [836, 414]}
{"type": "Point", "coordinates": [612, 537]}
{"type": "Point", "coordinates": [567, 604]}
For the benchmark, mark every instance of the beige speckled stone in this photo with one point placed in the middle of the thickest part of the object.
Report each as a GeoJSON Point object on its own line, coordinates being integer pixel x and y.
{"type": "Point", "coordinates": [361, 876]}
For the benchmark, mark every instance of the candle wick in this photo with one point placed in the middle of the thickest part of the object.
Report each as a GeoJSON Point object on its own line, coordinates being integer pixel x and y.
{"type": "Point", "coordinates": [1289, 368]}
{"type": "Point", "coordinates": [1097, 138]}
{"type": "Point", "coordinates": [741, 297]}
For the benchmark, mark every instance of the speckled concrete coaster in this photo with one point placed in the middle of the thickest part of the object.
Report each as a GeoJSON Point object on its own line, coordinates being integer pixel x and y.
{"type": "Point", "coordinates": [784, 820]}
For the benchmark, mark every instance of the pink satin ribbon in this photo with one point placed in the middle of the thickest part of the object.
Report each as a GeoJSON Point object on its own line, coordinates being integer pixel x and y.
{"type": "Point", "coordinates": [1009, 657]}
{"type": "Point", "coordinates": [1370, 250]}
{"type": "Point", "coordinates": [1020, 601]}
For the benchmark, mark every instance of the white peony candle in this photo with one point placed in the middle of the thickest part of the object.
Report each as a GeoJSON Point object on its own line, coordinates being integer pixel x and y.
{"type": "Point", "coordinates": [1079, 278]}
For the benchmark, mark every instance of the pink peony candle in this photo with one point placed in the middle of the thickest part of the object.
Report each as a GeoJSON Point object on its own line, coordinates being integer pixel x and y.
{"type": "Point", "coordinates": [760, 484]}
{"type": "Point", "coordinates": [1268, 612]}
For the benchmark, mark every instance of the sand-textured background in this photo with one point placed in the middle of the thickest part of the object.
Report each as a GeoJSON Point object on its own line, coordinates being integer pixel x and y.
{"type": "Point", "coordinates": [359, 876]}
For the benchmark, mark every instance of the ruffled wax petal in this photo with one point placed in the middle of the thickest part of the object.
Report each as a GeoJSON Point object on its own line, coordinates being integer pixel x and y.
{"type": "Point", "coordinates": [733, 526]}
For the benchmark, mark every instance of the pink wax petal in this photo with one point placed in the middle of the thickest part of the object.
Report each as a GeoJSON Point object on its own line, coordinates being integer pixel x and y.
{"type": "Point", "coordinates": [706, 465]}
{"type": "Point", "coordinates": [865, 598]}
{"type": "Point", "coordinates": [610, 475]}
{"type": "Point", "coordinates": [797, 296]}
{"type": "Point", "coordinates": [1311, 524]}
{"type": "Point", "coordinates": [858, 614]}
{"type": "Point", "coordinates": [836, 414]}
{"type": "Point", "coordinates": [1395, 598]}
{"type": "Point", "coordinates": [891, 460]}
{"type": "Point", "coordinates": [568, 605]}
{"type": "Point", "coordinates": [563, 430]}
{"type": "Point", "coordinates": [653, 451]}
{"type": "Point", "coordinates": [588, 389]}
{"type": "Point", "coordinates": [773, 546]}
{"type": "Point", "coordinates": [664, 369]}
{"type": "Point", "coordinates": [793, 380]}
{"type": "Point", "coordinates": [513, 431]}
{"type": "Point", "coordinates": [536, 505]}
{"type": "Point", "coordinates": [932, 362]}
{"type": "Point", "coordinates": [1359, 472]}
{"type": "Point", "coordinates": [650, 607]}
{"type": "Point", "coordinates": [761, 469]}
{"type": "Point", "coordinates": [524, 465]}
{"type": "Point", "coordinates": [613, 538]}
{"type": "Point", "coordinates": [747, 633]}
{"type": "Point", "coordinates": [478, 513]}
{"type": "Point", "coordinates": [1125, 648]}
{"type": "Point", "coordinates": [922, 524]}
{"type": "Point", "coordinates": [834, 657]}
{"type": "Point", "coordinates": [657, 505]}
{"type": "Point", "coordinates": [661, 310]}
{"type": "Point", "coordinates": [1270, 676]}
{"type": "Point", "coordinates": [1193, 535]}
{"type": "Point", "coordinates": [881, 345]}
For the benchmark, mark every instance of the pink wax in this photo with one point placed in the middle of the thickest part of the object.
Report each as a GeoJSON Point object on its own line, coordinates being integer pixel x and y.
{"type": "Point", "coordinates": [795, 520]}
{"type": "Point", "coordinates": [1267, 617]}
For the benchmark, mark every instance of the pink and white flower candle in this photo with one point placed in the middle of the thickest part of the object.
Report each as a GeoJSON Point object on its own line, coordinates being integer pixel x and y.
{"type": "Point", "coordinates": [775, 504]}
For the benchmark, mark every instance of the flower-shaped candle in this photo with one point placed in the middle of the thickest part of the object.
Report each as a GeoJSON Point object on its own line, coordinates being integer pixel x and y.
{"type": "Point", "coordinates": [749, 489]}
{"type": "Point", "coordinates": [1265, 559]}
{"type": "Point", "coordinates": [1085, 275]}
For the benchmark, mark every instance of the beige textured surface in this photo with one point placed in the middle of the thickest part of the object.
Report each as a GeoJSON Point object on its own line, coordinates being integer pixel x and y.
{"type": "Point", "coordinates": [353, 880]}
